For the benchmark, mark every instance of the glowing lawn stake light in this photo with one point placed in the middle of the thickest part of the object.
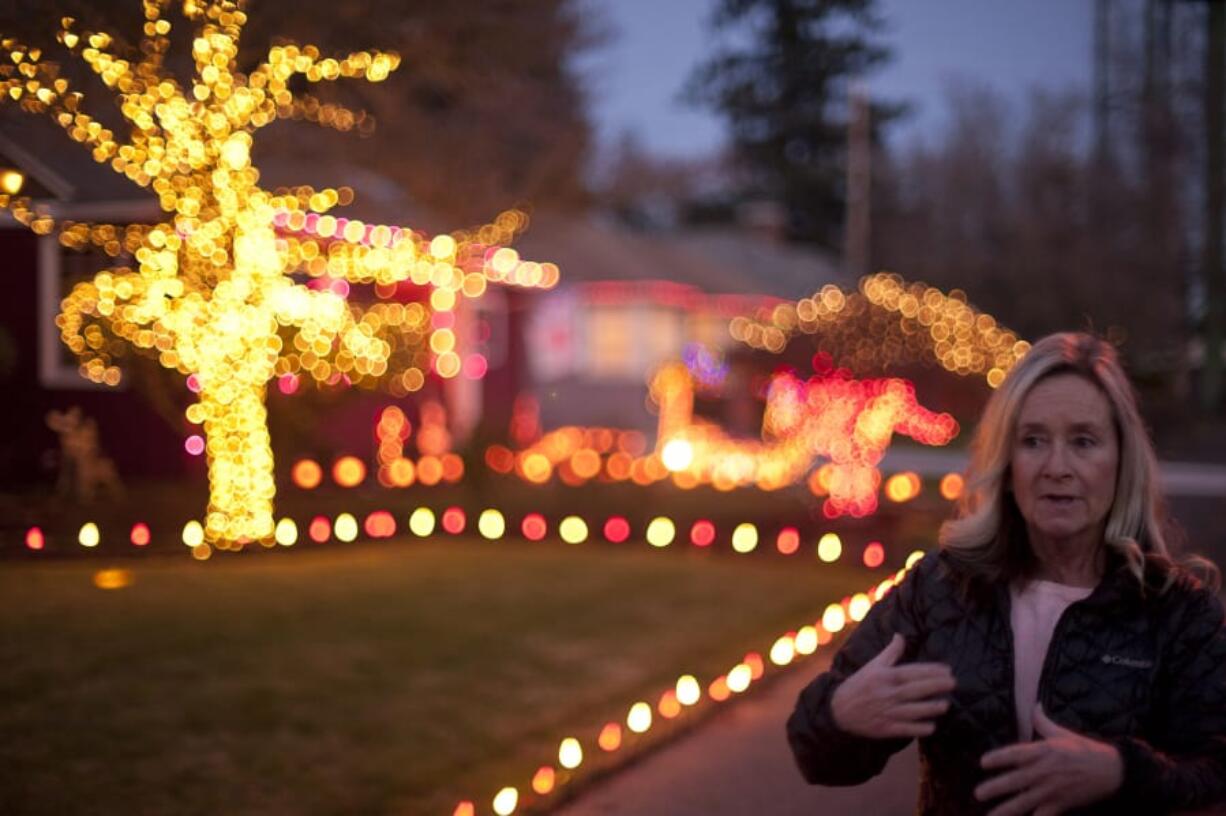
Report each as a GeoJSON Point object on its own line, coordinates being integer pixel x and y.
{"type": "Point", "coordinates": [639, 718]}
{"type": "Point", "coordinates": [89, 535]}
{"type": "Point", "coordinates": [570, 753]}
{"type": "Point", "coordinates": [346, 528]}
{"type": "Point", "coordinates": [573, 530]}
{"type": "Point", "coordinates": [491, 524]}
{"type": "Point", "coordinates": [610, 737]}
{"type": "Point", "coordinates": [286, 533]}
{"type": "Point", "coordinates": [829, 548]}
{"type": "Point", "coordinates": [543, 780]}
{"type": "Point", "coordinates": [661, 532]}
{"type": "Point", "coordinates": [745, 538]}
{"type": "Point", "coordinates": [688, 690]}
{"type": "Point", "coordinates": [421, 522]}
{"type": "Point", "coordinates": [506, 801]}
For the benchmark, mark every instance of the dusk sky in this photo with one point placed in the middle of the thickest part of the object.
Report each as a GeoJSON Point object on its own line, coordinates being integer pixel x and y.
{"type": "Point", "coordinates": [636, 78]}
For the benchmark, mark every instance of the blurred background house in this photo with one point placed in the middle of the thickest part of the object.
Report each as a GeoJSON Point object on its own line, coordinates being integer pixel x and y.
{"type": "Point", "coordinates": [1067, 176]}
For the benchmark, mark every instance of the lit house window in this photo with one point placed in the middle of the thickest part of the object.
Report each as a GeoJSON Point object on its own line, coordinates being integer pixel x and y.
{"type": "Point", "coordinates": [627, 342]}
{"type": "Point", "coordinates": [612, 343]}
{"type": "Point", "coordinates": [662, 337]}
{"type": "Point", "coordinates": [709, 330]}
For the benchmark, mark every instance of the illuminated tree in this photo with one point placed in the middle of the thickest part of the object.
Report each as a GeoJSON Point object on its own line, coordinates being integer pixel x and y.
{"type": "Point", "coordinates": [211, 294]}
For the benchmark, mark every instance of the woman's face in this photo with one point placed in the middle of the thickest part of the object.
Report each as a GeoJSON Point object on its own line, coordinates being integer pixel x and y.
{"type": "Point", "coordinates": [1065, 457]}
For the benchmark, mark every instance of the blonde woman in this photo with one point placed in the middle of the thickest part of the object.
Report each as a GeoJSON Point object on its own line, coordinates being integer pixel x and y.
{"type": "Point", "coordinates": [1051, 657]}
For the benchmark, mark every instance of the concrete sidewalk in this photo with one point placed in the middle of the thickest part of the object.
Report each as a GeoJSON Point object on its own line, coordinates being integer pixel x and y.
{"type": "Point", "coordinates": [738, 763]}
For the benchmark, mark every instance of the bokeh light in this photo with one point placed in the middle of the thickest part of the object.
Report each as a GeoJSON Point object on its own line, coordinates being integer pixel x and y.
{"type": "Point", "coordinates": [505, 801]}
{"type": "Point", "coordinates": [610, 737]}
{"type": "Point", "coordinates": [112, 578]}
{"type": "Point", "coordinates": [307, 474]}
{"type": "Point", "coordinates": [286, 532]}
{"type": "Point", "coordinates": [783, 650]}
{"type": "Point", "coordinates": [543, 780]}
{"type": "Point", "coordinates": [677, 454]}
{"type": "Point", "coordinates": [788, 541]}
{"type": "Point", "coordinates": [573, 530]}
{"type": "Point", "coordinates": [454, 520]}
{"type": "Point", "coordinates": [903, 487]}
{"type": "Point", "coordinates": [745, 538]}
{"type": "Point", "coordinates": [833, 619]}
{"type": "Point", "coordinates": [534, 527]}
{"type": "Point", "coordinates": [829, 547]}
{"type": "Point", "coordinates": [193, 534]}
{"type": "Point", "coordinates": [320, 529]}
{"type": "Point", "coordinates": [348, 471]}
{"type": "Point", "coordinates": [688, 690]}
{"type": "Point", "coordinates": [570, 753]}
{"type": "Point", "coordinates": [874, 555]}
{"type": "Point", "coordinates": [952, 485]}
{"type": "Point", "coordinates": [89, 535]}
{"type": "Point", "coordinates": [739, 678]}
{"type": "Point", "coordinates": [421, 522]}
{"type": "Point", "coordinates": [858, 606]}
{"type": "Point", "coordinates": [702, 533]}
{"type": "Point", "coordinates": [346, 528]}
{"type": "Point", "coordinates": [660, 532]}
{"type": "Point", "coordinates": [616, 529]}
{"type": "Point", "coordinates": [806, 640]}
{"type": "Point", "coordinates": [491, 524]}
{"type": "Point", "coordinates": [639, 718]}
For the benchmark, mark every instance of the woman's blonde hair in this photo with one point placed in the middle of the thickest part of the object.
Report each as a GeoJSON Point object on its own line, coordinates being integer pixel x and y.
{"type": "Point", "coordinates": [988, 539]}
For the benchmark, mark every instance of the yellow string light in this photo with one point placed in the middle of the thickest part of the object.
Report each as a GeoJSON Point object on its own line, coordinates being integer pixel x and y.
{"type": "Point", "coordinates": [890, 322]}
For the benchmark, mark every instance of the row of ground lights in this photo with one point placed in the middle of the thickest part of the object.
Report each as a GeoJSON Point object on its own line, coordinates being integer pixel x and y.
{"type": "Point", "coordinates": [492, 525]}
{"type": "Point", "coordinates": [688, 692]}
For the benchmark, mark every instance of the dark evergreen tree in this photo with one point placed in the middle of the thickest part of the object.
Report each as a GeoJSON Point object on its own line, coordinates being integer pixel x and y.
{"type": "Point", "coordinates": [782, 81]}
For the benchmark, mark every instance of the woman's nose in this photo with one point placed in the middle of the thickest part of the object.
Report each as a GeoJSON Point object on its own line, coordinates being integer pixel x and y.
{"type": "Point", "coordinates": [1056, 464]}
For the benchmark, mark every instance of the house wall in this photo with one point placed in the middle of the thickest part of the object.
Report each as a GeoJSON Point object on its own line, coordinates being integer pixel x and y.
{"type": "Point", "coordinates": [141, 443]}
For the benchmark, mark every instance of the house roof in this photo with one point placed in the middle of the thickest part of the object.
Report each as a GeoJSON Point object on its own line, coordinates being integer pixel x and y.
{"type": "Point", "coordinates": [63, 170]}
{"type": "Point", "coordinates": [597, 250]}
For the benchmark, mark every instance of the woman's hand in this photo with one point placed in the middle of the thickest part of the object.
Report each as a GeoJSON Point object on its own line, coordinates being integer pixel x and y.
{"type": "Point", "coordinates": [1062, 771]}
{"type": "Point", "coordinates": [884, 701]}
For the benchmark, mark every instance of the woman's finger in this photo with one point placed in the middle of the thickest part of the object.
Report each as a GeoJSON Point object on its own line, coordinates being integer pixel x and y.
{"type": "Point", "coordinates": [923, 710]}
{"type": "Point", "coordinates": [908, 729]}
{"type": "Point", "coordinates": [1008, 782]}
{"type": "Point", "coordinates": [889, 655]}
{"type": "Point", "coordinates": [924, 688]}
{"type": "Point", "coordinates": [920, 671]}
{"type": "Point", "coordinates": [1010, 755]}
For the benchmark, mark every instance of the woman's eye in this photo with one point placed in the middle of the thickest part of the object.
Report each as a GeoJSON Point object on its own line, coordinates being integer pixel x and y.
{"type": "Point", "coordinates": [1085, 441]}
{"type": "Point", "coordinates": [1030, 441]}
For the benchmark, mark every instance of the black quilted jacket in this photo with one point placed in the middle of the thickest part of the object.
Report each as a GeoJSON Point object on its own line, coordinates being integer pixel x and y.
{"type": "Point", "coordinates": [1144, 673]}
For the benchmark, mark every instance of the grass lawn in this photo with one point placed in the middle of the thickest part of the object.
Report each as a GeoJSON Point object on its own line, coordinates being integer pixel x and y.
{"type": "Point", "coordinates": [390, 678]}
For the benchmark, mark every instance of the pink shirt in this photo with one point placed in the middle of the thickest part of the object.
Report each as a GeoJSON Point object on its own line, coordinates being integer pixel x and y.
{"type": "Point", "coordinates": [1036, 607]}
